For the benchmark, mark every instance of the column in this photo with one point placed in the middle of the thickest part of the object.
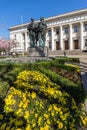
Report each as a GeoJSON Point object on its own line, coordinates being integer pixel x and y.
{"type": "Point", "coordinates": [81, 36]}
{"type": "Point", "coordinates": [26, 40]}
{"type": "Point", "coordinates": [46, 40]}
{"type": "Point", "coordinates": [70, 38]}
{"type": "Point", "coordinates": [21, 41]}
{"type": "Point", "coordinates": [61, 37]}
{"type": "Point", "coordinates": [52, 38]}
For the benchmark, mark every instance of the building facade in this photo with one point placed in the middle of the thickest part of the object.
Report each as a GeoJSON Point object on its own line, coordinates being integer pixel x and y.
{"type": "Point", "coordinates": [64, 32]}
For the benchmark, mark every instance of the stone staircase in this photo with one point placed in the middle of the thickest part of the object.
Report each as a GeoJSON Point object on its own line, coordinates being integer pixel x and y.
{"type": "Point", "coordinates": [68, 52]}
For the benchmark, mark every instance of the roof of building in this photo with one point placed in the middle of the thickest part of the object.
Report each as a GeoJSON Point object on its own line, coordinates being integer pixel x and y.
{"type": "Point", "coordinates": [79, 12]}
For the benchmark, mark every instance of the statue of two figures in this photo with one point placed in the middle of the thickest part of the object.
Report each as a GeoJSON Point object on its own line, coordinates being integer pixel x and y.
{"type": "Point", "coordinates": [37, 32]}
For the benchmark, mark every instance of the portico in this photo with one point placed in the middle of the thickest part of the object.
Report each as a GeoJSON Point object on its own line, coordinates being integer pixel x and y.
{"type": "Point", "coordinates": [68, 37]}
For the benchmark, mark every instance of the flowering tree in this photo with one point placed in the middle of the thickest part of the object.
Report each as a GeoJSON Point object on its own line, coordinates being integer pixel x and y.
{"type": "Point", "coordinates": [4, 45]}
{"type": "Point", "coordinates": [8, 46]}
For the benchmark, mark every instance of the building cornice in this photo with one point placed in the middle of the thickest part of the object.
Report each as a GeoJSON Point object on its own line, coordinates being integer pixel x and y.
{"type": "Point", "coordinates": [57, 17]}
{"type": "Point", "coordinates": [77, 12]}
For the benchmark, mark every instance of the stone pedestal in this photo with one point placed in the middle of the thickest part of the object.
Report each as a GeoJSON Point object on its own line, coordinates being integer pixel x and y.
{"type": "Point", "coordinates": [38, 51]}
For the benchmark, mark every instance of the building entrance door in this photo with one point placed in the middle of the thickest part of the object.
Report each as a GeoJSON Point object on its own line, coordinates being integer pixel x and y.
{"type": "Point", "coordinates": [66, 44]}
{"type": "Point", "coordinates": [76, 44]}
{"type": "Point", "coordinates": [57, 45]}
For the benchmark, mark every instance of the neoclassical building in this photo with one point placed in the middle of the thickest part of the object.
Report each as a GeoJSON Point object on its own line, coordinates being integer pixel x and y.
{"type": "Point", "coordinates": [64, 32]}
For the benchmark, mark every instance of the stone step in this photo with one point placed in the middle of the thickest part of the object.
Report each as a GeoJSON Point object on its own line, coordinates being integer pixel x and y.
{"type": "Point", "coordinates": [61, 52]}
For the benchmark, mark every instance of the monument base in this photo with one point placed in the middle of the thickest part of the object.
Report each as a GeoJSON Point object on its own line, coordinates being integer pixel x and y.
{"type": "Point", "coordinates": [38, 51]}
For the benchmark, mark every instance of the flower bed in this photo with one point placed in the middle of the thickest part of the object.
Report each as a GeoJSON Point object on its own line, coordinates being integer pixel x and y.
{"type": "Point", "coordinates": [37, 103]}
{"type": "Point", "coordinates": [40, 99]}
{"type": "Point", "coordinates": [71, 75]}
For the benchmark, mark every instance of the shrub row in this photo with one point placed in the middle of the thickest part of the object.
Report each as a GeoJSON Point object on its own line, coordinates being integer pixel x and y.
{"type": "Point", "coordinates": [47, 65]}
{"type": "Point", "coordinates": [67, 59]}
{"type": "Point", "coordinates": [9, 71]}
{"type": "Point", "coordinates": [73, 89]}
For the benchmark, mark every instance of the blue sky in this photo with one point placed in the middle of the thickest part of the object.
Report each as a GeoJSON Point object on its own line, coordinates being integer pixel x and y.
{"type": "Point", "coordinates": [12, 10]}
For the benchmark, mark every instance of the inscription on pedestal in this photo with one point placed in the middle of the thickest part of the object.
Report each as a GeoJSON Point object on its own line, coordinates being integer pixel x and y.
{"type": "Point", "coordinates": [38, 51]}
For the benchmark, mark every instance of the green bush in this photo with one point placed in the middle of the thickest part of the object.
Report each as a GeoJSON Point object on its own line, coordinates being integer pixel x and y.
{"type": "Point", "coordinates": [4, 87]}
{"type": "Point", "coordinates": [76, 91]}
{"type": "Point", "coordinates": [46, 65]}
{"type": "Point", "coordinates": [9, 71]}
{"type": "Point", "coordinates": [67, 59]}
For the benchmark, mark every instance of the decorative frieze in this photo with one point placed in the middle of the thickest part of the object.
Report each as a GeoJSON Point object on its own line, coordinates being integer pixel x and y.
{"type": "Point", "coordinates": [68, 20]}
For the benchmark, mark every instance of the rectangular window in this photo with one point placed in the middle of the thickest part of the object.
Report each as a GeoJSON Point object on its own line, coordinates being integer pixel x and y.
{"type": "Point", "coordinates": [50, 46]}
{"type": "Point", "coordinates": [57, 31]}
{"type": "Point", "coordinates": [23, 35]}
{"type": "Point", "coordinates": [85, 27]}
{"type": "Point", "coordinates": [49, 33]}
{"type": "Point", "coordinates": [66, 30]}
{"type": "Point", "coordinates": [57, 45]}
{"type": "Point", "coordinates": [86, 42]}
{"type": "Point", "coordinates": [76, 29]}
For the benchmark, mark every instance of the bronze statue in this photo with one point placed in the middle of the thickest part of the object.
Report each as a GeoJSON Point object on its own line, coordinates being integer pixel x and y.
{"type": "Point", "coordinates": [32, 33]}
{"type": "Point", "coordinates": [42, 26]}
{"type": "Point", "coordinates": [37, 32]}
